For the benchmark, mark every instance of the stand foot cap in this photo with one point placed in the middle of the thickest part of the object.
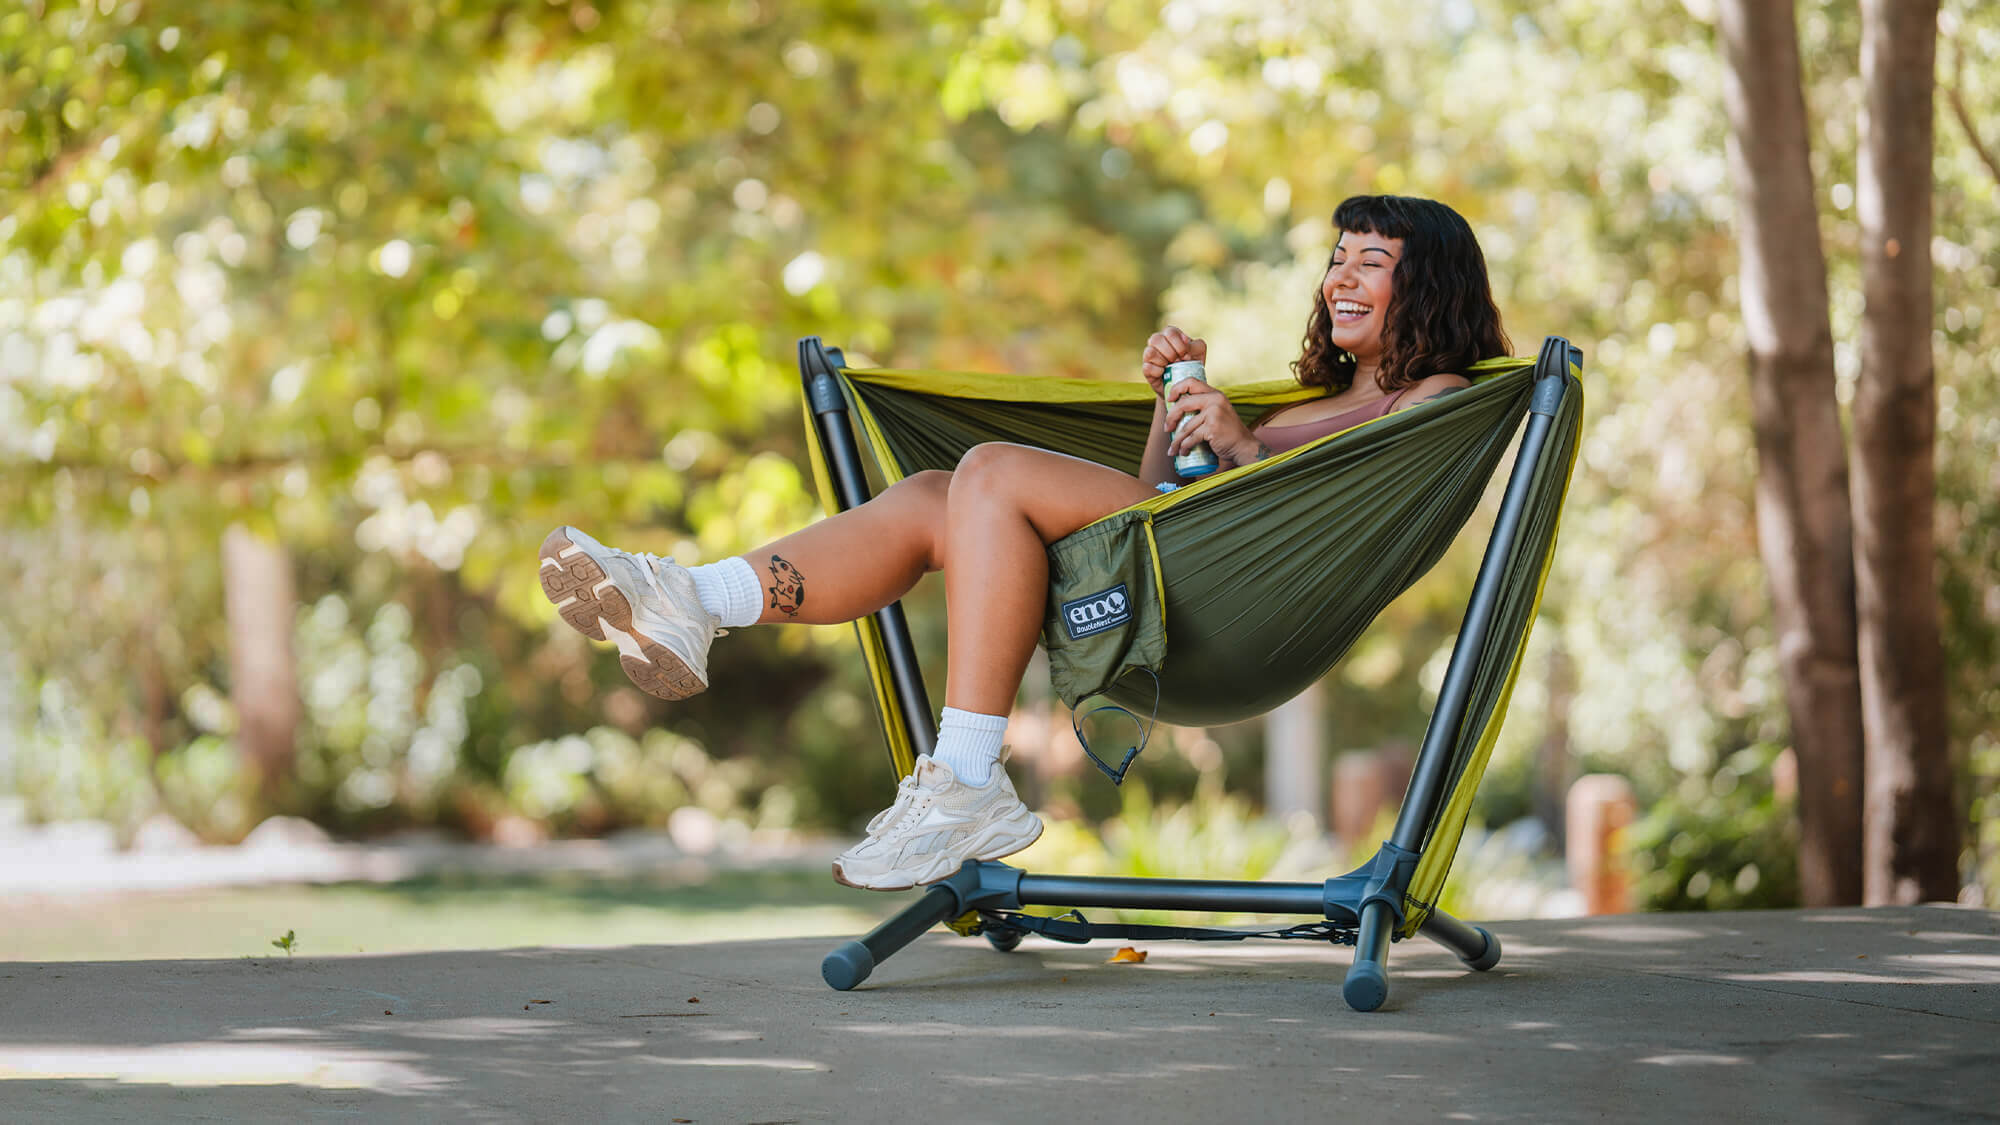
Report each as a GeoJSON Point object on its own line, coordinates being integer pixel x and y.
{"type": "Point", "coordinates": [1366, 987]}
{"type": "Point", "coordinates": [847, 966]}
{"type": "Point", "coordinates": [1490, 957]}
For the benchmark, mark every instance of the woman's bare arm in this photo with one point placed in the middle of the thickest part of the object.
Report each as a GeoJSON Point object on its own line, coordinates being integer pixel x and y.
{"type": "Point", "coordinates": [1433, 387]}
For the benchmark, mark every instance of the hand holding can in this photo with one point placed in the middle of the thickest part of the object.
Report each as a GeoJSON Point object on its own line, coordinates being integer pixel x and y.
{"type": "Point", "coordinates": [1199, 460]}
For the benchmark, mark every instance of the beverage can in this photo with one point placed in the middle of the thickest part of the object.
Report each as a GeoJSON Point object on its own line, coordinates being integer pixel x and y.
{"type": "Point", "coordinates": [1201, 460]}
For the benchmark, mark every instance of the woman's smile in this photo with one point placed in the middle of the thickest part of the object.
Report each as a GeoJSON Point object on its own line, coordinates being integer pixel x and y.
{"type": "Point", "coordinates": [1358, 288]}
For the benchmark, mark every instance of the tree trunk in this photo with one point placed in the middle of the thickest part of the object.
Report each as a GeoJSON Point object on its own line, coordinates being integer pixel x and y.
{"type": "Point", "coordinates": [263, 676]}
{"type": "Point", "coordinates": [1293, 740]}
{"type": "Point", "coordinates": [1803, 521]}
{"type": "Point", "coordinates": [1911, 832]}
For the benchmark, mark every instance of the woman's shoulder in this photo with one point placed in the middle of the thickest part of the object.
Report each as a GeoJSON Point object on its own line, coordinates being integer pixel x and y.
{"type": "Point", "coordinates": [1430, 387]}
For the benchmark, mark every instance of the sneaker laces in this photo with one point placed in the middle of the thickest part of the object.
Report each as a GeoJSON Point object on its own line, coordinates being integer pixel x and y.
{"type": "Point", "coordinates": [652, 565]}
{"type": "Point", "coordinates": [906, 796]}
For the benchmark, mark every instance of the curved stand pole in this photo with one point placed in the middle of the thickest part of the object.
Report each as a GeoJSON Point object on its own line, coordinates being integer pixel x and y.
{"type": "Point", "coordinates": [974, 886]}
{"type": "Point", "coordinates": [1367, 985]}
{"type": "Point", "coordinates": [1475, 945]}
{"type": "Point", "coordinates": [835, 434]}
{"type": "Point", "coordinates": [850, 963]}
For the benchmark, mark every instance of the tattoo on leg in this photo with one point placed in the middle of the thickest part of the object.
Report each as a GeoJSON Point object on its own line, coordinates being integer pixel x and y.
{"type": "Point", "coordinates": [788, 587]}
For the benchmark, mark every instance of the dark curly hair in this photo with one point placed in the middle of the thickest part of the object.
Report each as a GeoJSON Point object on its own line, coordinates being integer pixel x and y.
{"type": "Point", "coordinates": [1442, 317]}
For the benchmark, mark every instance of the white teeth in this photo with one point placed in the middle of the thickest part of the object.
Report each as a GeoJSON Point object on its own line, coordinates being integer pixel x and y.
{"type": "Point", "coordinates": [1351, 308]}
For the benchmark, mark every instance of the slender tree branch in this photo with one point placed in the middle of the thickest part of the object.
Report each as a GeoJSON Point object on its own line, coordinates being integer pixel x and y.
{"type": "Point", "coordinates": [1955, 94]}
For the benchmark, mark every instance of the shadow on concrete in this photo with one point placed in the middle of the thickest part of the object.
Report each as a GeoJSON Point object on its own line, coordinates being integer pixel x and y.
{"type": "Point", "coordinates": [1843, 1015]}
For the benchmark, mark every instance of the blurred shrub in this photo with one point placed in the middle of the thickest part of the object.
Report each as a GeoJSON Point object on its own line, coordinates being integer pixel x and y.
{"type": "Point", "coordinates": [205, 786]}
{"type": "Point", "coordinates": [40, 763]}
{"type": "Point", "coordinates": [1514, 871]}
{"type": "Point", "coordinates": [369, 753]}
{"type": "Point", "coordinates": [1215, 835]}
{"type": "Point", "coordinates": [605, 778]}
{"type": "Point", "coordinates": [1724, 841]}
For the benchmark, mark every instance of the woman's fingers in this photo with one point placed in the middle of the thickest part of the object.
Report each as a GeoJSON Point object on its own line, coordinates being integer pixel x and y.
{"type": "Point", "coordinates": [1211, 417]}
{"type": "Point", "coordinates": [1186, 387]}
{"type": "Point", "coordinates": [1184, 345]}
{"type": "Point", "coordinates": [1190, 400]}
{"type": "Point", "coordinates": [1171, 345]}
{"type": "Point", "coordinates": [1167, 346]}
{"type": "Point", "coordinates": [1154, 360]}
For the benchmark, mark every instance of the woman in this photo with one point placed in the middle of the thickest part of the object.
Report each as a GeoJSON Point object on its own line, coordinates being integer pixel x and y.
{"type": "Point", "coordinates": [1403, 308]}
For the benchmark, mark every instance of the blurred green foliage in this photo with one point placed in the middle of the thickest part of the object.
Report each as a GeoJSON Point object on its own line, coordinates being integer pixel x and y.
{"type": "Point", "coordinates": [402, 288]}
{"type": "Point", "coordinates": [1725, 840]}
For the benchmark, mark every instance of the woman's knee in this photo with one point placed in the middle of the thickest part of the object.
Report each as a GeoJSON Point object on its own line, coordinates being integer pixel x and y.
{"type": "Point", "coordinates": [991, 467]}
{"type": "Point", "coordinates": [920, 504]}
{"type": "Point", "coordinates": [926, 489]}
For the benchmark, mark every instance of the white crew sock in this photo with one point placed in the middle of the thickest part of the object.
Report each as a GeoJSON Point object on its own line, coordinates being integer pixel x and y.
{"type": "Point", "coordinates": [969, 743]}
{"type": "Point", "coordinates": [728, 591]}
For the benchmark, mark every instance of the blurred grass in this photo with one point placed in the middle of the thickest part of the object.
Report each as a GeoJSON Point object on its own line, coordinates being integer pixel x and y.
{"type": "Point", "coordinates": [436, 913]}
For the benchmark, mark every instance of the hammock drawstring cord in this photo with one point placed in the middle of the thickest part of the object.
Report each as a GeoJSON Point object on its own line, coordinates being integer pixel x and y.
{"type": "Point", "coordinates": [1117, 774]}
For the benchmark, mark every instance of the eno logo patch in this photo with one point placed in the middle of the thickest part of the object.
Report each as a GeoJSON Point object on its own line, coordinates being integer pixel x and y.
{"type": "Point", "coordinates": [1096, 612]}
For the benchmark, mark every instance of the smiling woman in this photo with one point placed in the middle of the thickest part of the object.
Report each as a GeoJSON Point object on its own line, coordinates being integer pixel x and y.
{"type": "Point", "coordinates": [1402, 313]}
{"type": "Point", "coordinates": [1403, 310]}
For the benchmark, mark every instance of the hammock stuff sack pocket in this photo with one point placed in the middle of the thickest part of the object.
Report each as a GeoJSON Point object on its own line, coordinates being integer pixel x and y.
{"type": "Point", "coordinates": [1106, 619]}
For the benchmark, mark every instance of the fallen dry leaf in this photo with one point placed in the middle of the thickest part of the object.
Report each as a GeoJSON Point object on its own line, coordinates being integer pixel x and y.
{"type": "Point", "coordinates": [694, 999]}
{"type": "Point", "coordinates": [1129, 956]}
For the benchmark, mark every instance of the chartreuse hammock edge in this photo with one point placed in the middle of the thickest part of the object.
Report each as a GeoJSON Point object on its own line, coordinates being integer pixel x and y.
{"type": "Point", "coordinates": [1264, 575]}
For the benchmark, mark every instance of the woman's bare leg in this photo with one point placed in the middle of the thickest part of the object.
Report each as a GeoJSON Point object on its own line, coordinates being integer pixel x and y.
{"type": "Point", "coordinates": [998, 512]}
{"type": "Point", "coordinates": [987, 525]}
{"type": "Point", "coordinates": [851, 564]}
{"type": "Point", "coordinates": [1006, 504]}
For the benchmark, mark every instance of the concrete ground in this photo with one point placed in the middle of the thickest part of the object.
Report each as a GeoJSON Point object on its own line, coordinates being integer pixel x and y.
{"type": "Point", "coordinates": [1833, 1015]}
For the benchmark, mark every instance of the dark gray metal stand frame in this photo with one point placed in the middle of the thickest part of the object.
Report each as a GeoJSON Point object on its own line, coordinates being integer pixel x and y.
{"type": "Point", "coordinates": [1366, 904]}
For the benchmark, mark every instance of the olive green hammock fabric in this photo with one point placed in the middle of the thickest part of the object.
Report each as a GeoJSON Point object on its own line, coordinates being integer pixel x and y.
{"type": "Point", "coordinates": [1240, 590]}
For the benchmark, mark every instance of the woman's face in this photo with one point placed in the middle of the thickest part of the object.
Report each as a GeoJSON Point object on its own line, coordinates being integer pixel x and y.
{"type": "Point", "coordinates": [1357, 289]}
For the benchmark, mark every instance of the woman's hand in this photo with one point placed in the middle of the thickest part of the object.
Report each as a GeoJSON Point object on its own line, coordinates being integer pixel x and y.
{"type": "Point", "coordinates": [1213, 419]}
{"type": "Point", "coordinates": [1169, 345]}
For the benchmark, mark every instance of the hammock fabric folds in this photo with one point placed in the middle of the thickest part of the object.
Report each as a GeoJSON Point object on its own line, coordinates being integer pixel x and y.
{"type": "Point", "coordinates": [1266, 574]}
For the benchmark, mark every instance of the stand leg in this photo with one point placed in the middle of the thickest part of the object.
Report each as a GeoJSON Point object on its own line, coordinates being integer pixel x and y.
{"type": "Point", "coordinates": [1367, 984]}
{"type": "Point", "coordinates": [1475, 945]}
{"type": "Point", "coordinates": [851, 963]}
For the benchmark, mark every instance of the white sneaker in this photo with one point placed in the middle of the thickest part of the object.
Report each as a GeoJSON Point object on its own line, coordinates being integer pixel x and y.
{"type": "Point", "coordinates": [937, 823]}
{"type": "Point", "coordinates": [645, 605]}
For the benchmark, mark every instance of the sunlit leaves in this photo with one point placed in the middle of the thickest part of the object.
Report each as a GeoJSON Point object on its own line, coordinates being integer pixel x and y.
{"type": "Point", "coordinates": [414, 283]}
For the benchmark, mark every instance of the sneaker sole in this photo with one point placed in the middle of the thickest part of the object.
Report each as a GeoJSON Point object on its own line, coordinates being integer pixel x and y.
{"type": "Point", "coordinates": [996, 851]}
{"type": "Point", "coordinates": [588, 600]}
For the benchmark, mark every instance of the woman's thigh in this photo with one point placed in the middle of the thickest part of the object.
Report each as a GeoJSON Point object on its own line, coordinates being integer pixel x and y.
{"type": "Point", "coordinates": [1055, 492]}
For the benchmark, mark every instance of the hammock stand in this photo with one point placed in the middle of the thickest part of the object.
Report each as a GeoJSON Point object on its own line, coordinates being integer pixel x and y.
{"type": "Point", "coordinates": [1368, 907]}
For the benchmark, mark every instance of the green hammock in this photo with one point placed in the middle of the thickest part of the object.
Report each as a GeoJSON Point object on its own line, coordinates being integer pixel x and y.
{"type": "Point", "coordinates": [1259, 578]}
{"type": "Point", "coordinates": [1247, 586]}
